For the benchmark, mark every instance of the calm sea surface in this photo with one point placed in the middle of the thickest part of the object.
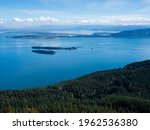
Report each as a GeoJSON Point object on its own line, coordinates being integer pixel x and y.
{"type": "Point", "coordinates": [21, 68]}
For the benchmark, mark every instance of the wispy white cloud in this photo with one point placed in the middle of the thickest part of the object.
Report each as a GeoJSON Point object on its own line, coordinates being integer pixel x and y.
{"type": "Point", "coordinates": [16, 19]}
{"type": "Point", "coordinates": [105, 20]}
{"type": "Point", "coordinates": [35, 20]}
{"type": "Point", "coordinates": [112, 20]}
{"type": "Point", "coordinates": [2, 21]}
{"type": "Point", "coordinates": [118, 20]}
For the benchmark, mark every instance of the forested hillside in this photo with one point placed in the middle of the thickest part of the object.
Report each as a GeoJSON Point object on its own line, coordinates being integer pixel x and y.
{"type": "Point", "coordinates": [118, 90]}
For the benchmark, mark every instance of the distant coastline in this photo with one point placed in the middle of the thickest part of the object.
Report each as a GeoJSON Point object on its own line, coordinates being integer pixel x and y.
{"type": "Point", "coordinates": [138, 33]}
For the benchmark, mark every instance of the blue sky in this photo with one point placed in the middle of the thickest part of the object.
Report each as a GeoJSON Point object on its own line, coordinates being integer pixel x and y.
{"type": "Point", "coordinates": [107, 12]}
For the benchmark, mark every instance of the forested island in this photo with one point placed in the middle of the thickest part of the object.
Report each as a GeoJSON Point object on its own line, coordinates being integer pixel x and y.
{"type": "Point", "coordinates": [120, 90]}
{"type": "Point", "coordinates": [50, 50]}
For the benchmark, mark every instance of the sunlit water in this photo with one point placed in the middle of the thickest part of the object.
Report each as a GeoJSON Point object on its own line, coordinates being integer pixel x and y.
{"type": "Point", "coordinates": [21, 68]}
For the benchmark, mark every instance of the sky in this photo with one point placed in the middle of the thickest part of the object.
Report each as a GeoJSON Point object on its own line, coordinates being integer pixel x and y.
{"type": "Point", "coordinates": [78, 12]}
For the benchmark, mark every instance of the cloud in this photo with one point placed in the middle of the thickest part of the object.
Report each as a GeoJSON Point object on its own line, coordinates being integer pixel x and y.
{"type": "Point", "coordinates": [118, 20]}
{"type": "Point", "coordinates": [41, 19]}
{"type": "Point", "coordinates": [2, 21]}
{"type": "Point", "coordinates": [85, 21]}
{"type": "Point", "coordinates": [18, 20]}
{"type": "Point", "coordinates": [105, 20]}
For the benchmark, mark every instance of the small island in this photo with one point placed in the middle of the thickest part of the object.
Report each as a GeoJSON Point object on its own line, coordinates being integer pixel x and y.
{"type": "Point", "coordinates": [44, 52]}
{"type": "Point", "coordinates": [50, 50]}
{"type": "Point", "coordinates": [54, 48]}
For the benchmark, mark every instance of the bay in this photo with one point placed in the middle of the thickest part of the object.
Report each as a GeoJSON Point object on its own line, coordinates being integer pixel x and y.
{"type": "Point", "coordinates": [20, 68]}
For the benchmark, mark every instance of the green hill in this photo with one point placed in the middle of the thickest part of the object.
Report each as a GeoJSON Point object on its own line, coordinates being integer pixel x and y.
{"type": "Point", "coordinates": [118, 90]}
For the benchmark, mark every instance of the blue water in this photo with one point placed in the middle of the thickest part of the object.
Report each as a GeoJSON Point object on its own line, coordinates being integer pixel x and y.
{"type": "Point", "coordinates": [21, 68]}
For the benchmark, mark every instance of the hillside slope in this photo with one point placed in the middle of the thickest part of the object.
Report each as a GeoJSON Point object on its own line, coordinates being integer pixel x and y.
{"type": "Point", "coordinates": [118, 90]}
{"type": "Point", "coordinates": [140, 33]}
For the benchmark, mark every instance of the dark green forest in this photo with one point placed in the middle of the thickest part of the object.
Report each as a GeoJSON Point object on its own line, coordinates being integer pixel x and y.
{"type": "Point", "coordinates": [120, 90]}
